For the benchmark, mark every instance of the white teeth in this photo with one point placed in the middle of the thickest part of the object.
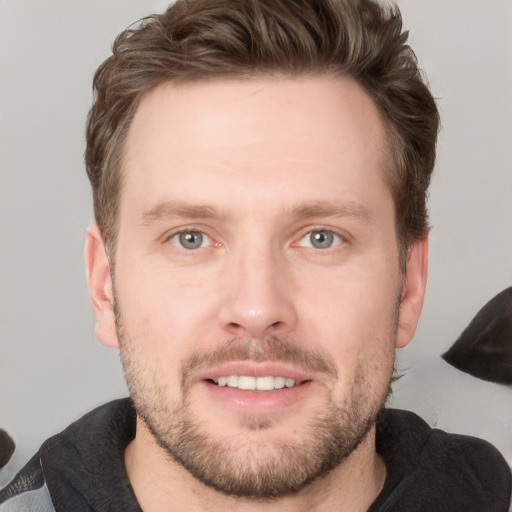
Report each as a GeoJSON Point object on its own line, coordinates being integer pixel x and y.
{"type": "Point", "coordinates": [232, 381]}
{"type": "Point", "coordinates": [245, 382]}
{"type": "Point", "coordinates": [290, 383]}
{"type": "Point", "coordinates": [265, 383]}
{"type": "Point", "coordinates": [279, 382]}
{"type": "Point", "coordinates": [248, 383]}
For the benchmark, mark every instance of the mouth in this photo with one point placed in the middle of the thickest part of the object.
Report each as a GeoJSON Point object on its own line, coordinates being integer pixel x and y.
{"type": "Point", "coordinates": [256, 388]}
{"type": "Point", "coordinates": [249, 383]}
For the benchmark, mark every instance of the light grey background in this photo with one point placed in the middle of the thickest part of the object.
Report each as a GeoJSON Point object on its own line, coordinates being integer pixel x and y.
{"type": "Point", "coordinates": [52, 369]}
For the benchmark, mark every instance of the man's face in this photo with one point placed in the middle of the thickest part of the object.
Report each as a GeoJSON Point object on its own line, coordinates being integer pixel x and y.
{"type": "Point", "coordinates": [257, 249]}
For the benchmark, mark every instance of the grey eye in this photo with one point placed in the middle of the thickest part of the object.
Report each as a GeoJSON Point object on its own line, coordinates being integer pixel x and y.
{"type": "Point", "coordinates": [321, 239]}
{"type": "Point", "coordinates": [190, 240]}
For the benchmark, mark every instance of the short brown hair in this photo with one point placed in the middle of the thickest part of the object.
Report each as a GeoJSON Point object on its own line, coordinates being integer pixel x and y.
{"type": "Point", "coordinates": [207, 39]}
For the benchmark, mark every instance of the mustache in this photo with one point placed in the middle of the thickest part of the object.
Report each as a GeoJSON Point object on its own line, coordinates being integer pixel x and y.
{"type": "Point", "coordinates": [272, 348]}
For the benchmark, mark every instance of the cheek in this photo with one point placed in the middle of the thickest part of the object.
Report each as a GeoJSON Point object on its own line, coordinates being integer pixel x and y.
{"type": "Point", "coordinates": [354, 320]}
{"type": "Point", "coordinates": [165, 312]}
{"type": "Point", "coordinates": [353, 309]}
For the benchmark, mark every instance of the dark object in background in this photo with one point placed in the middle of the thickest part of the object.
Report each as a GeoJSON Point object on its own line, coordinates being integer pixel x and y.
{"type": "Point", "coordinates": [6, 448]}
{"type": "Point", "coordinates": [484, 349]}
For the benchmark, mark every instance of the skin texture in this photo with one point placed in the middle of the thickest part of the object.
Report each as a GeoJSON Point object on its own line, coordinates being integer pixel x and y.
{"type": "Point", "coordinates": [256, 167]}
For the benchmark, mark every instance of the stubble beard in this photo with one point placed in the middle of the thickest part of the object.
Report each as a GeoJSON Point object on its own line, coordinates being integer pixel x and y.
{"type": "Point", "coordinates": [250, 468]}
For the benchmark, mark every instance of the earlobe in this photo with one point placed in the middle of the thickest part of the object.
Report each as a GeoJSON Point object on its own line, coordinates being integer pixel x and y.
{"type": "Point", "coordinates": [99, 281]}
{"type": "Point", "coordinates": [413, 291]}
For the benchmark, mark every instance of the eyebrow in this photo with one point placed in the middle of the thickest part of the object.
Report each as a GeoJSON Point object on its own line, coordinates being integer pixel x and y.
{"type": "Point", "coordinates": [178, 209]}
{"type": "Point", "coordinates": [331, 209]}
{"type": "Point", "coordinates": [173, 209]}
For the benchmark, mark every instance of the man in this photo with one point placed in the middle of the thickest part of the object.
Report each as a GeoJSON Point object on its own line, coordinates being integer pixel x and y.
{"type": "Point", "coordinates": [259, 173]}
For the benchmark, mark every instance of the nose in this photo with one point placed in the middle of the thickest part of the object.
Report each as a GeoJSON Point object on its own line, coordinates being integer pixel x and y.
{"type": "Point", "coordinates": [258, 298]}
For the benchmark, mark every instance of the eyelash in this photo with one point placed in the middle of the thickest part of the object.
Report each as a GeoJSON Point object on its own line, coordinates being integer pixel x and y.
{"type": "Point", "coordinates": [339, 239]}
{"type": "Point", "coordinates": [175, 234]}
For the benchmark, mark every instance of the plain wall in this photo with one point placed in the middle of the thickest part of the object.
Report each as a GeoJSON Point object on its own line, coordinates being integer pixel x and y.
{"type": "Point", "coordinates": [52, 369]}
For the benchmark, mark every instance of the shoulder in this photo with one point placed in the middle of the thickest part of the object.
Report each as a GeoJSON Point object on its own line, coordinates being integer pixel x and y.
{"type": "Point", "coordinates": [27, 491]}
{"type": "Point", "coordinates": [439, 470]}
{"type": "Point", "coordinates": [81, 465]}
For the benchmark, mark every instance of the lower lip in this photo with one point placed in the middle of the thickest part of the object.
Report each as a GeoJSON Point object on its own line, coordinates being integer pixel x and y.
{"type": "Point", "coordinates": [257, 402]}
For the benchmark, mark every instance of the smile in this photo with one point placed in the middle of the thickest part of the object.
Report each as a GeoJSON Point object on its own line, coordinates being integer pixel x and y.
{"type": "Point", "coordinates": [248, 383]}
{"type": "Point", "coordinates": [248, 388]}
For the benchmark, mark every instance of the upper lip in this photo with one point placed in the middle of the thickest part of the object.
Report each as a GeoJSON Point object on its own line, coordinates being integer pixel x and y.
{"type": "Point", "coordinates": [254, 369]}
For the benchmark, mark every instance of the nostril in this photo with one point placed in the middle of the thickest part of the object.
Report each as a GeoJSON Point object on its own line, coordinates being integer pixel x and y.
{"type": "Point", "coordinates": [242, 317]}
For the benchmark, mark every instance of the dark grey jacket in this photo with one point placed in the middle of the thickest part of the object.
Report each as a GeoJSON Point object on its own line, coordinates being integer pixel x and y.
{"type": "Point", "coordinates": [82, 468]}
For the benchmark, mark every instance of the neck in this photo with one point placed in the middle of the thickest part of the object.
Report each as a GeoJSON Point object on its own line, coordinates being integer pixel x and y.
{"type": "Point", "coordinates": [160, 484]}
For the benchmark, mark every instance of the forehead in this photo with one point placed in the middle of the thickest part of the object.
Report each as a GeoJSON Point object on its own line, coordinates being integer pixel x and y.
{"type": "Point", "coordinates": [291, 134]}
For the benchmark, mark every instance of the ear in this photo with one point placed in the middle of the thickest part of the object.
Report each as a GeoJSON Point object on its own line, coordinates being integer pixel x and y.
{"type": "Point", "coordinates": [413, 291]}
{"type": "Point", "coordinates": [99, 281]}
